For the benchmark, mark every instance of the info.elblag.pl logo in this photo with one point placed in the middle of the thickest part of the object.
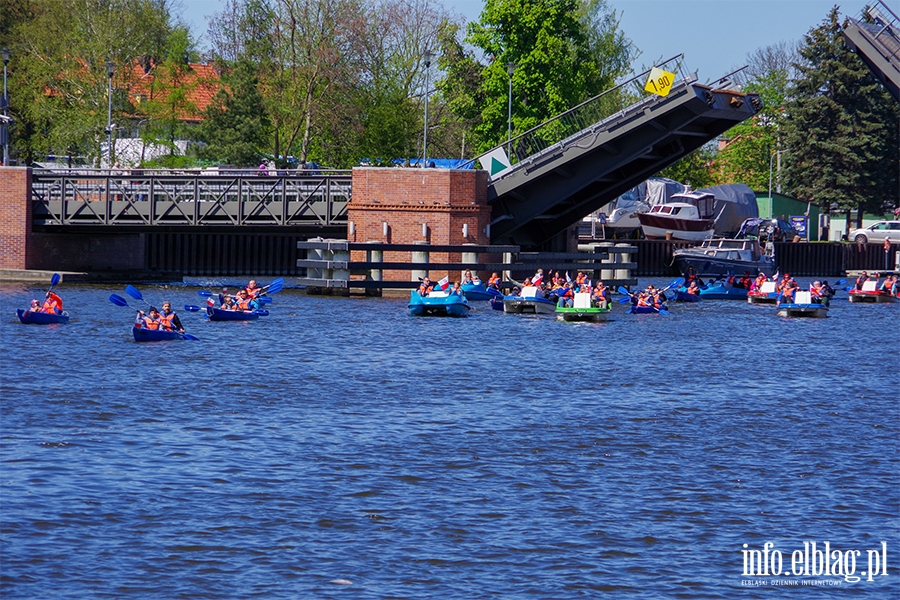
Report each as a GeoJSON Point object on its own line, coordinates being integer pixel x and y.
{"type": "Point", "coordinates": [814, 560]}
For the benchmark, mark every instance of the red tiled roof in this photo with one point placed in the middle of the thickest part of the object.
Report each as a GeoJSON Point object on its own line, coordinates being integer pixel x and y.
{"type": "Point", "coordinates": [201, 80]}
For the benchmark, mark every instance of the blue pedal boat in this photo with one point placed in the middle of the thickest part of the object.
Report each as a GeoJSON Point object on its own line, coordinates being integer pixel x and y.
{"type": "Point", "coordinates": [39, 318]}
{"type": "Point", "coordinates": [437, 304]}
{"type": "Point", "coordinates": [721, 291]}
{"type": "Point", "coordinates": [477, 291]}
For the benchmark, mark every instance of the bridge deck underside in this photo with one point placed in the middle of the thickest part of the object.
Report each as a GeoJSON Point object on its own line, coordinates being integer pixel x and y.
{"type": "Point", "coordinates": [880, 50]}
{"type": "Point", "coordinates": [547, 193]}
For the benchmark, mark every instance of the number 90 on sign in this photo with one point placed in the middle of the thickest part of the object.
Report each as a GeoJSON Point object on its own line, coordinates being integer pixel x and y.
{"type": "Point", "coordinates": [659, 82]}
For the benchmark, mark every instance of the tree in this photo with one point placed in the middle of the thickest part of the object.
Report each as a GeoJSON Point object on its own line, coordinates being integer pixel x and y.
{"type": "Point", "coordinates": [234, 128]}
{"type": "Point", "coordinates": [61, 78]}
{"type": "Point", "coordinates": [841, 129]}
{"type": "Point", "coordinates": [693, 169]}
{"type": "Point", "coordinates": [559, 62]}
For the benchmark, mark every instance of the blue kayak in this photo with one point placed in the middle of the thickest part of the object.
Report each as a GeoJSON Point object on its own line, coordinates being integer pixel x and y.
{"type": "Point", "coordinates": [682, 295]}
{"type": "Point", "coordinates": [437, 304]}
{"type": "Point", "coordinates": [40, 318]}
{"type": "Point", "coordinates": [154, 335]}
{"type": "Point", "coordinates": [217, 314]}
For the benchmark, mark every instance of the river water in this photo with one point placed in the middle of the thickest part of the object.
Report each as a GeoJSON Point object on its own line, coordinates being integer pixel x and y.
{"type": "Point", "coordinates": [339, 448]}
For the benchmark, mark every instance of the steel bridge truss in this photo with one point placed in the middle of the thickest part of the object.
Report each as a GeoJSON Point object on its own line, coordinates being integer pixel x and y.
{"type": "Point", "coordinates": [150, 199]}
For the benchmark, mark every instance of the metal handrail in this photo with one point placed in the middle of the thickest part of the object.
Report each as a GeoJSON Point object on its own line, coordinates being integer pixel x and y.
{"type": "Point", "coordinates": [582, 117]}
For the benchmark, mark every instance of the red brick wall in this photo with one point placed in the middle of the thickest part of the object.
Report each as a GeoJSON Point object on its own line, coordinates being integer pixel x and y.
{"type": "Point", "coordinates": [405, 198]}
{"type": "Point", "coordinates": [15, 216]}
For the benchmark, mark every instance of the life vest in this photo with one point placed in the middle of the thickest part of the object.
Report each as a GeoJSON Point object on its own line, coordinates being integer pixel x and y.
{"type": "Point", "coordinates": [243, 305]}
{"type": "Point", "coordinates": [643, 302]}
{"type": "Point", "coordinates": [494, 280]}
{"type": "Point", "coordinates": [695, 291]}
{"type": "Point", "coordinates": [167, 321]}
{"type": "Point", "coordinates": [252, 293]}
{"type": "Point", "coordinates": [150, 323]}
{"type": "Point", "coordinates": [580, 278]}
{"type": "Point", "coordinates": [52, 305]}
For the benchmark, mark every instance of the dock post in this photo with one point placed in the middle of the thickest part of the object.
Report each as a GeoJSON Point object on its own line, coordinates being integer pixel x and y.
{"type": "Point", "coordinates": [606, 274]}
{"type": "Point", "coordinates": [469, 257]}
{"type": "Point", "coordinates": [419, 257]}
{"type": "Point", "coordinates": [374, 274]}
{"type": "Point", "coordinates": [341, 254]}
{"type": "Point", "coordinates": [315, 272]}
{"type": "Point", "coordinates": [624, 257]}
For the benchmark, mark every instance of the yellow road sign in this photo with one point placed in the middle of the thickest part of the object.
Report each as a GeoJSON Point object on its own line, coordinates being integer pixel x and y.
{"type": "Point", "coordinates": [659, 82]}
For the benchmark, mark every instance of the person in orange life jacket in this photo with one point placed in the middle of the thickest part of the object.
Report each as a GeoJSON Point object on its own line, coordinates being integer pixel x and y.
{"type": "Point", "coordinates": [746, 280]}
{"type": "Point", "coordinates": [863, 277]}
{"type": "Point", "coordinates": [494, 281]}
{"type": "Point", "coordinates": [150, 321]}
{"type": "Point", "coordinates": [425, 287]}
{"type": "Point", "coordinates": [757, 283]}
{"type": "Point", "coordinates": [890, 285]}
{"type": "Point", "coordinates": [242, 301]}
{"type": "Point", "coordinates": [787, 292]}
{"type": "Point", "coordinates": [694, 289]}
{"type": "Point", "coordinates": [169, 320]}
{"type": "Point", "coordinates": [52, 304]}
{"type": "Point", "coordinates": [253, 290]}
{"type": "Point", "coordinates": [580, 277]}
{"type": "Point", "coordinates": [228, 303]}
{"type": "Point", "coordinates": [600, 295]}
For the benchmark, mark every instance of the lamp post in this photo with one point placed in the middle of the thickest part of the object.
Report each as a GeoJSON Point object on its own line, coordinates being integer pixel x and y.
{"type": "Point", "coordinates": [428, 56]}
{"type": "Point", "coordinates": [5, 124]}
{"type": "Point", "coordinates": [510, 67]}
{"type": "Point", "coordinates": [110, 70]}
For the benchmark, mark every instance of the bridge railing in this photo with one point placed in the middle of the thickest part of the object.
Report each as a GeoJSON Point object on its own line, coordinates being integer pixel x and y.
{"type": "Point", "coordinates": [167, 197]}
{"type": "Point", "coordinates": [588, 114]}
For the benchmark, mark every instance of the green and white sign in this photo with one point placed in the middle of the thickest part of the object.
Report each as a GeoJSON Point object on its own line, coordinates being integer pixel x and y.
{"type": "Point", "coordinates": [495, 162]}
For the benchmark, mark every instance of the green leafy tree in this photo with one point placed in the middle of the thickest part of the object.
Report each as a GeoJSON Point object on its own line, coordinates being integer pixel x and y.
{"type": "Point", "coordinates": [560, 57]}
{"type": "Point", "coordinates": [235, 128]}
{"type": "Point", "coordinates": [841, 129]}
{"type": "Point", "coordinates": [61, 79]}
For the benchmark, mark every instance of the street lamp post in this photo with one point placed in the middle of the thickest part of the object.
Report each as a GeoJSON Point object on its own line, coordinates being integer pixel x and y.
{"type": "Point", "coordinates": [110, 70]}
{"type": "Point", "coordinates": [428, 56]}
{"type": "Point", "coordinates": [5, 124]}
{"type": "Point", "coordinates": [510, 67]}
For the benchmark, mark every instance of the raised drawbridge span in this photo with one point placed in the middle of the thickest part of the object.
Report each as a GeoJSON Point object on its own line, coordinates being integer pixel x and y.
{"type": "Point", "coordinates": [602, 148]}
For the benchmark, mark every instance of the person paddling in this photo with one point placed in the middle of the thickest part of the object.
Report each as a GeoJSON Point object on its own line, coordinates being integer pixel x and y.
{"type": "Point", "coordinates": [52, 304]}
{"type": "Point", "coordinates": [168, 319]}
{"type": "Point", "coordinates": [149, 321]}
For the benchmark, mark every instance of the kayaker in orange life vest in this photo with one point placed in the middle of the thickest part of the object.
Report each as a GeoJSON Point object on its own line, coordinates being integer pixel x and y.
{"type": "Point", "coordinates": [494, 281]}
{"type": "Point", "coordinates": [168, 319]}
{"type": "Point", "coordinates": [52, 304]}
{"type": "Point", "coordinates": [242, 301]}
{"type": "Point", "coordinates": [150, 321]}
{"type": "Point", "coordinates": [253, 290]}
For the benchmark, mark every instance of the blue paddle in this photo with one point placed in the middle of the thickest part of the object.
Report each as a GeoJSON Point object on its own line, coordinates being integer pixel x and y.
{"type": "Point", "coordinates": [54, 281]}
{"type": "Point", "coordinates": [135, 293]}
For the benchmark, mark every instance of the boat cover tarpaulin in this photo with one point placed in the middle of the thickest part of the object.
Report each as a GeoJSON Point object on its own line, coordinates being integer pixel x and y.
{"type": "Point", "coordinates": [656, 190]}
{"type": "Point", "coordinates": [735, 202]}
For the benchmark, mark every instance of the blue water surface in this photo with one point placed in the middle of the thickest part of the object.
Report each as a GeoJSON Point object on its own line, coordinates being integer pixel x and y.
{"type": "Point", "coordinates": [340, 448]}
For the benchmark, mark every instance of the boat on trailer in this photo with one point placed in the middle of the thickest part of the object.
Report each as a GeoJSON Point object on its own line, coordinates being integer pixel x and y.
{"type": "Point", "coordinates": [871, 294]}
{"type": "Point", "coordinates": [581, 310]}
{"type": "Point", "coordinates": [802, 306]}
{"type": "Point", "coordinates": [687, 216]}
